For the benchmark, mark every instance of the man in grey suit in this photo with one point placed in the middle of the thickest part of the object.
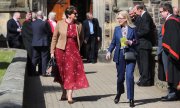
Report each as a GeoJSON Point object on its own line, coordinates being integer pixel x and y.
{"type": "Point", "coordinates": [40, 43]}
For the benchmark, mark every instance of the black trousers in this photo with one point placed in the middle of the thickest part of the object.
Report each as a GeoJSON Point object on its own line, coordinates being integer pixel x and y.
{"type": "Point", "coordinates": [40, 56]}
{"type": "Point", "coordinates": [90, 48]}
{"type": "Point", "coordinates": [144, 64]}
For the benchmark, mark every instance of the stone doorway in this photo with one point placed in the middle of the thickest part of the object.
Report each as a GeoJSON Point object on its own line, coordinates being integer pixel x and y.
{"type": "Point", "coordinates": [83, 7]}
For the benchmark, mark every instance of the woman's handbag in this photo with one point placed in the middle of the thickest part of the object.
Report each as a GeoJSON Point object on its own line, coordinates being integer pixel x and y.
{"type": "Point", "coordinates": [51, 67]}
{"type": "Point", "coordinates": [130, 55]}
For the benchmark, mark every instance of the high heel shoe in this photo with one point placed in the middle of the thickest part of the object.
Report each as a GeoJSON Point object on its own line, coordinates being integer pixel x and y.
{"type": "Point", "coordinates": [70, 101]}
{"type": "Point", "coordinates": [117, 98]}
{"type": "Point", "coordinates": [131, 103]}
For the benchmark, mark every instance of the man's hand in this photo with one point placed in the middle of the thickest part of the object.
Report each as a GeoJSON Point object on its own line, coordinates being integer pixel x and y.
{"type": "Point", "coordinates": [98, 38]}
{"type": "Point", "coordinates": [85, 41]}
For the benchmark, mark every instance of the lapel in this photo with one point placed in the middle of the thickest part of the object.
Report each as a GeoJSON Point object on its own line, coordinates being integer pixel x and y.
{"type": "Point", "coordinates": [119, 33]}
{"type": "Point", "coordinates": [128, 33]}
{"type": "Point", "coordinates": [15, 23]}
{"type": "Point", "coordinates": [65, 27]}
{"type": "Point", "coordinates": [87, 23]}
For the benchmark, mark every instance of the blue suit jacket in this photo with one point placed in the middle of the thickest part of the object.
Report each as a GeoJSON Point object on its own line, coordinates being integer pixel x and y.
{"type": "Point", "coordinates": [41, 33]}
{"type": "Point", "coordinates": [115, 43]}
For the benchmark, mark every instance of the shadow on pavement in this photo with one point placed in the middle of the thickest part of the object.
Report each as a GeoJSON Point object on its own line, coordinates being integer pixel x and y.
{"type": "Point", "coordinates": [33, 93]}
{"type": "Point", "coordinates": [92, 72]}
{"type": "Point", "coordinates": [92, 97]}
{"type": "Point", "coordinates": [145, 101]}
{"type": "Point", "coordinates": [52, 88]}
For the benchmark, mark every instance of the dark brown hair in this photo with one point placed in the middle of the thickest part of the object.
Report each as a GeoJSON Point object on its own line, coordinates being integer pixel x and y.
{"type": "Point", "coordinates": [167, 7]}
{"type": "Point", "coordinates": [70, 10]}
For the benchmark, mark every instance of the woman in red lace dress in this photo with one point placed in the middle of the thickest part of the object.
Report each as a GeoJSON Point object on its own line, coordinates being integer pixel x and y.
{"type": "Point", "coordinates": [65, 47]}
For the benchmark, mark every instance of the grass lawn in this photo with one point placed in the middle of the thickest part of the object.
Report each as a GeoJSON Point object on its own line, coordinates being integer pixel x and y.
{"type": "Point", "coordinates": [6, 57]}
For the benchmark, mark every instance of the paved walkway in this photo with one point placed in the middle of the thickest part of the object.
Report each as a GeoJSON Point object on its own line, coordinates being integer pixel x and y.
{"type": "Point", "coordinates": [42, 92]}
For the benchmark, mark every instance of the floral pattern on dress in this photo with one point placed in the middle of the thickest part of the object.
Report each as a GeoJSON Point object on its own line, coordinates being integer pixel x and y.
{"type": "Point", "coordinates": [70, 64]}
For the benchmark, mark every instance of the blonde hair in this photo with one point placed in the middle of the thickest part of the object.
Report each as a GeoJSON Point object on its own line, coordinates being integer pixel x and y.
{"type": "Point", "coordinates": [125, 14]}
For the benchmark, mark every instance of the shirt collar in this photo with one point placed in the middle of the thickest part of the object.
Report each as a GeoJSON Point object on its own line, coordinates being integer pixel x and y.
{"type": "Point", "coordinates": [168, 16]}
{"type": "Point", "coordinates": [15, 19]}
{"type": "Point", "coordinates": [143, 13]}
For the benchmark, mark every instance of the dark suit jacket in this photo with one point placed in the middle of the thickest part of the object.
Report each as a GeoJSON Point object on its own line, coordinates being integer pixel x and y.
{"type": "Point", "coordinates": [27, 35]}
{"type": "Point", "coordinates": [115, 43]}
{"type": "Point", "coordinates": [12, 33]}
{"type": "Point", "coordinates": [145, 32]}
{"type": "Point", "coordinates": [41, 33]}
{"type": "Point", "coordinates": [87, 29]}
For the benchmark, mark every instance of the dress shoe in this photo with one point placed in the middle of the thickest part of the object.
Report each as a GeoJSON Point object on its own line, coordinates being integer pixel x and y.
{"type": "Point", "coordinates": [164, 97]}
{"type": "Point", "coordinates": [169, 98]}
{"type": "Point", "coordinates": [144, 84]}
{"type": "Point", "coordinates": [117, 98]}
{"type": "Point", "coordinates": [131, 103]}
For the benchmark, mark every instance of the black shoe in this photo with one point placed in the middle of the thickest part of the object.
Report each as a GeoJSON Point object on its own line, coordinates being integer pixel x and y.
{"type": "Point", "coordinates": [169, 98]}
{"type": "Point", "coordinates": [164, 97]}
{"type": "Point", "coordinates": [144, 84]}
{"type": "Point", "coordinates": [88, 61]}
{"type": "Point", "coordinates": [131, 103]}
{"type": "Point", "coordinates": [117, 98]}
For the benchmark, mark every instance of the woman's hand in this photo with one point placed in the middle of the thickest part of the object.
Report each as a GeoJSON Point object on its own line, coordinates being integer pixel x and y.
{"type": "Point", "coordinates": [108, 55]}
{"type": "Point", "coordinates": [128, 42]}
{"type": "Point", "coordinates": [52, 55]}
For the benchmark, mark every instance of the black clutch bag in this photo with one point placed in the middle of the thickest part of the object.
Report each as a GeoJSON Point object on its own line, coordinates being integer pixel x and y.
{"type": "Point", "coordinates": [130, 55]}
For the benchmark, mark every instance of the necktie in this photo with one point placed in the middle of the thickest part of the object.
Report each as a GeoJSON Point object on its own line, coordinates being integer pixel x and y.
{"type": "Point", "coordinates": [19, 25]}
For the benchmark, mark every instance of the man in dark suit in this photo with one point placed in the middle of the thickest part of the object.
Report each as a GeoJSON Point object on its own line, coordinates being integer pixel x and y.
{"type": "Point", "coordinates": [145, 35]}
{"type": "Point", "coordinates": [40, 43]}
{"type": "Point", "coordinates": [27, 40]}
{"type": "Point", "coordinates": [14, 31]}
{"type": "Point", "coordinates": [91, 32]}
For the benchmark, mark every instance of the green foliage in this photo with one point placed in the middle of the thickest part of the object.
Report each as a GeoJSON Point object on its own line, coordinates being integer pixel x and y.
{"type": "Point", "coordinates": [6, 57]}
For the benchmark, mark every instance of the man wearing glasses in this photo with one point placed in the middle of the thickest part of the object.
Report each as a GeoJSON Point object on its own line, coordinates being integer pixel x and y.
{"type": "Point", "coordinates": [171, 51]}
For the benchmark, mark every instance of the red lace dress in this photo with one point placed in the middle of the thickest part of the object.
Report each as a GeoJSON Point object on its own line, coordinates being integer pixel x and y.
{"type": "Point", "coordinates": [70, 64]}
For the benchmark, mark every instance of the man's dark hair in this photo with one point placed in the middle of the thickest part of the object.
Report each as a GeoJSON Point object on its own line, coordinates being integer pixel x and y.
{"type": "Point", "coordinates": [70, 10]}
{"type": "Point", "coordinates": [167, 7]}
{"type": "Point", "coordinates": [141, 6]}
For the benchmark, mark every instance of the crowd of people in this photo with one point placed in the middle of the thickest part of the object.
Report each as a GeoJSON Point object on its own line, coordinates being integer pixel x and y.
{"type": "Point", "coordinates": [136, 33]}
{"type": "Point", "coordinates": [139, 37]}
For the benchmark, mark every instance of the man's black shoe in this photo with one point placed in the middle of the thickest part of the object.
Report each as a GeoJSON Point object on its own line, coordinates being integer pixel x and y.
{"type": "Point", "coordinates": [164, 97]}
{"type": "Point", "coordinates": [169, 98]}
{"type": "Point", "coordinates": [144, 84]}
{"type": "Point", "coordinates": [131, 103]}
{"type": "Point", "coordinates": [117, 98]}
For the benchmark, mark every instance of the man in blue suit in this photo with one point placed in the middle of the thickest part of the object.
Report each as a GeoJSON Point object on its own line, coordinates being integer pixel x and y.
{"type": "Point", "coordinates": [40, 43]}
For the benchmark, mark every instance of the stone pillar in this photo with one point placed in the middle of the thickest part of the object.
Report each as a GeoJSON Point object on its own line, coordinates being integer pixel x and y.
{"type": "Point", "coordinates": [98, 12]}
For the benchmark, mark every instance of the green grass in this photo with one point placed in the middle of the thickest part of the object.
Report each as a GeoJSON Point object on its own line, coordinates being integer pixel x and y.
{"type": "Point", "coordinates": [6, 57]}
